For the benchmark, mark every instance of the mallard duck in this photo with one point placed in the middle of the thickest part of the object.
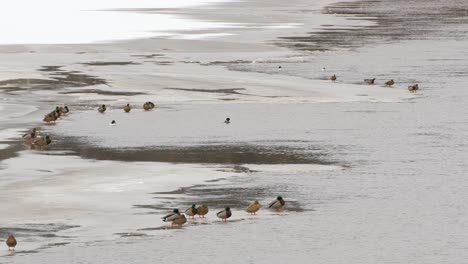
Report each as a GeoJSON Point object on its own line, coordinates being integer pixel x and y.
{"type": "Point", "coordinates": [390, 83]}
{"type": "Point", "coordinates": [42, 141]}
{"type": "Point", "coordinates": [151, 104]}
{"type": "Point", "coordinates": [224, 214]}
{"type": "Point", "coordinates": [30, 136]}
{"type": "Point", "coordinates": [49, 118]}
{"type": "Point", "coordinates": [192, 211]}
{"type": "Point", "coordinates": [277, 204]}
{"type": "Point", "coordinates": [57, 112]}
{"type": "Point", "coordinates": [369, 81]}
{"type": "Point", "coordinates": [413, 88]}
{"type": "Point", "coordinates": [253, 207]}
{"type": "Point", "coordinates": [227, 121]}
{"type": "Point", "coordinates": [180, 220]}
{"type": "Point", "coordinates": [113, 123]}
{"type": "Point", "coordinates": [127, 108]}
{"type": "Point", "coordinates": [64, 110]}
{"type": "Point", "coordinates": [170, 217]}
{"type": "Point", "coordinates": [147, 106]}
{"type": "Point", "coordinates": [333, 78]}
{"type": "Point", "coordinates": [102, 108]}
{"type": "Point", "coordinates": [202, 210]}
{"type": "Point", "coordinates": [11, 242]}
{"type": "Point", "coordinates": [280, 68]}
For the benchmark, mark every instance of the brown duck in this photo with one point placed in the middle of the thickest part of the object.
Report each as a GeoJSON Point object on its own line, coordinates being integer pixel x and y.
{"type": "Point", "coordinates": [179, 220]}
{"type": "Point", "coordinates": [30, 136]}
{"type": "Point", "coordinates": [333, 78]}
{"type": "Point", "coordinates": [42, 141]}
{"type": "Point", "coordinates": [253, 207]}
{"type": "Point", "coordinates": [49, 118]}
{"type": "Point", "coordinates": [11, 242]}
{"type": "Point", "coordinates": [390, 83]}
{"type": "Point", "coordinates": [127, 108]}
{"type": "Point", "coordinates": [413, 88]}
{"type": "Point", "coordinates": [202, 210]}
{"type": "Point", "coordinates": [147, 106]}
{"type": "Point", "coordinates": [102, 108]}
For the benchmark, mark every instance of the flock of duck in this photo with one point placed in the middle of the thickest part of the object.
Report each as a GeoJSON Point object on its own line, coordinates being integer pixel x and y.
{"type": "Point", "coordinates": [178, 219]}
{"type": "Point", "coordinates": [412, 88]}
{"type": "Point", "coordinates": [34, 139]}
{"type": "Point", "coordinates": [175, 218]}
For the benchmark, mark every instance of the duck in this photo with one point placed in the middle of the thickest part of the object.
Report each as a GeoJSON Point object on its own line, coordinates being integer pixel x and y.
{"type": "Point", "coordinates": [192, 211]}
{"type": "Point", "coordinates": [49, 118]}
{"type": "Point", "coordinates": [253, 207]}
{"type": "Point", "coordinates": [324, 69]}
{"type": "Point", "coordinates": [280, 68]}
{"type": "Point", "coordinates": [64, 110]}
{"type": "Point", "coordinates": [127, 108]}
{"type": "Point", "coordinates": [369, 81]}
{"type": "Point", "coordinates": [413, 88]}
{"type": "Point", "coordinates": [277, 204]}
{"type": "Point", "coordinates": [57, 112]}
{"type": "Point", "coordinates": [113, 123]}
{"type": "Point", "coordinates": [390, 83]}
{"type": "Point", "coordinates": [202, 210]}
{"type": "Point", "coordinates": [102, 108]}
{"type": "Point", "coordinates": [42, 141]}
{"type": "Point", "coordinates": [30, 136]}
{"type": "Point", "coordinates": [224, 214]}
{"type": "Point", "coordinates": [227, 121]}
{"type": "Point", "coordinates": [333, 78]}
{"type": "Point", "coordinates": [147, 106]}
{"type": "Point", "coordinates": [11, 242]}
{"type": "Point", "coordinates": [172, 216]}
{"type": "Point", "coordinates": [180, 220]}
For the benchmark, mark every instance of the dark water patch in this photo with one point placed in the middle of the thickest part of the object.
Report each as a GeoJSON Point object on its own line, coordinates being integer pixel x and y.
{"type": "Point", "coordinates": [57, 80]}
{"type": "Point", "coordinates": [77, 79]}
{"type": "Point", "coordinates": [110, 63]}
{"type": "Point", "coordinates": [131, 234]}
{"type": "Point", "coordinates": [215, 154]}
{"type": "Point", "coordinates": [50, 68]}
{"type": "Point", "coordinates": [222, 91]}
{"type": "Point", "coordinates": [27, 82]}
{"type": "Point", "coordinates": [11, 89]}
{"type": "Point", "coordinates": [216, 180]}
{"type": "Point", "coordinates": [226, 62]}
{"type": "Point", "coordinates": [102, 92]}
{"type": "Point", "coordinates": [393, 21]}
{"type": "Point", "coordinates": [35, 230]}
{"type": "Point", "coordinates": [11, 151]}
{"type": "Point", "coordinates": [149, 56]}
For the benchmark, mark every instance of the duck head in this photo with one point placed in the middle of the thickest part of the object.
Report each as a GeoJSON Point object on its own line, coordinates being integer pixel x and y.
{"type": "Point", "coordinates": [227, 209]}
{"type": "Point", "coordinates": [279, 198]}
{"type": "Point", "coordinates": [175, 211]}
{"type": "Point", "coordinates": [193, 206]}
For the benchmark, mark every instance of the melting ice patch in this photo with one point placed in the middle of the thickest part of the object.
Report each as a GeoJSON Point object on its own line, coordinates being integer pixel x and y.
{"type": "Point", "coordinates": [87, 21]}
